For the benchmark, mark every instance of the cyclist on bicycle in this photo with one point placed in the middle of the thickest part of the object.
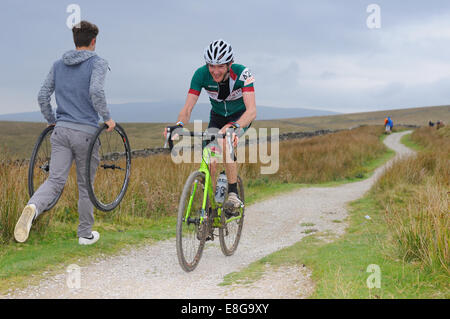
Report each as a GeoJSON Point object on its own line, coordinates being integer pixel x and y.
{"type": "Point", "coordinates": [78, 82]}
{"type": "Point", "coordinates": [232, 96]}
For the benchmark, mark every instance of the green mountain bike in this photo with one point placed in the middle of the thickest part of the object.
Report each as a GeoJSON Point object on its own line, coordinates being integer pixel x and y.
{"type": "Point", "coordinates": [200, 216]}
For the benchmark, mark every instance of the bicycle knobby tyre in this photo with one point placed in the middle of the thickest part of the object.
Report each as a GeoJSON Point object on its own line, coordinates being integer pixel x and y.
{"type": "Point", "coordinates": [230, 233]}
{"type": "Point", "coordinates": [39, 167]}
{"type": "Point", "coordinates": [113, 156]}
{"type": "Point", "coordinates": [191, 234]}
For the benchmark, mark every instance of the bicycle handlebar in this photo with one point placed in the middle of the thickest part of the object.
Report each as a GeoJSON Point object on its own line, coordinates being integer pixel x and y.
{"type": "Point", "coordinates": [208, 136]}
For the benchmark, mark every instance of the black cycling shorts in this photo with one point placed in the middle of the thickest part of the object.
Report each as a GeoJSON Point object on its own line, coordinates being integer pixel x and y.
{"type": "Point", "coordinates": [219, 121]}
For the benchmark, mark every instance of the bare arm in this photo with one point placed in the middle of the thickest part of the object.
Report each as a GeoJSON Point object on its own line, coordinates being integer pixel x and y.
{"type": "Point", "coordinates": [250, 112]}
{"type": "Point", "coordinates": [185, 113]}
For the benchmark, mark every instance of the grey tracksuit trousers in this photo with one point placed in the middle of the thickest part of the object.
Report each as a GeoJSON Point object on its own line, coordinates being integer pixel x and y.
{"type": "Point", "coordinates": [68, 145]}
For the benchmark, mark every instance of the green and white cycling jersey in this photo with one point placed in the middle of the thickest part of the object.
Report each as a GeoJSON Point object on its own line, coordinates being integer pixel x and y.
{"type": "Point", "coordinates": [241, 80]}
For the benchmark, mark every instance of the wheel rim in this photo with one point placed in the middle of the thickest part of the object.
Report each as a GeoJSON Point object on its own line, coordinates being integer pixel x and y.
{"type": "Point", "coordinates": [109, 167]}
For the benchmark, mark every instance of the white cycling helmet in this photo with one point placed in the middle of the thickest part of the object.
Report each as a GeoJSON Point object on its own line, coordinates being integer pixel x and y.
{"type": "Point", "coordinates": [218, 52]}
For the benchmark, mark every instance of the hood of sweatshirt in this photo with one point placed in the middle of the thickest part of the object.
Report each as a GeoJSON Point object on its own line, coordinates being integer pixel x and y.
{"type": "Point", "coordinates": [74, 57]}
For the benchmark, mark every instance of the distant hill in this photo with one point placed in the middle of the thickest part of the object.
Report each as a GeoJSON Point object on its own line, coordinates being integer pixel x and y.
{"type": "Point", "coordinates": [19, 137]}
{"type": "Point", "coordinates": [168, 112]}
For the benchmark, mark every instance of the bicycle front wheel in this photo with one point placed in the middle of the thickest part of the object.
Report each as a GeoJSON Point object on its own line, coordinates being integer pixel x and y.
{"type": "Point", "coordinates": [192, 227]}
{"type": "Point", "coordinates": [231, 226]}
{"type": "Point", "coordinates": [39, 167]}
{"type": "Point", "coordinates": [108, 167]}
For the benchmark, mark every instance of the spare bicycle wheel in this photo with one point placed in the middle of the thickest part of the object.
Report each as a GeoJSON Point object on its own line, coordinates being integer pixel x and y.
{"type": "Point", "coordinates": [39, 167]}
{"type": "Point", "coordinates": [108, 167]}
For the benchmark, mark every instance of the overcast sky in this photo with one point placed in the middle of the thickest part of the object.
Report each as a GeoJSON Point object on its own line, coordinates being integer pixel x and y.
{"type": "Point", "coordinates": [313, 54]}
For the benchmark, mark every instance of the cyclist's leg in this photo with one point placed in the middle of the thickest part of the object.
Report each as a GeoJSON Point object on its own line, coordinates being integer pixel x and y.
{"type": "Point", "coordinates": [231, 168]}
{"type": "Point", "coordinates": [216, 122]}
{"type": "Point", "coordinates": [60, 163]}
{"type": "Point", "coordinates": [230, 163]}
{"type": "Point", "coordinates": [212, 171]}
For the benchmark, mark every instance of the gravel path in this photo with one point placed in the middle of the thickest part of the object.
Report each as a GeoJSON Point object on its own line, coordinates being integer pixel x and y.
{"type": "Point", "coordinates": [153, 271]}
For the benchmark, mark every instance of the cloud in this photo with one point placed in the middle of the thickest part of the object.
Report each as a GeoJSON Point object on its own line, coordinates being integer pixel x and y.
{"type": "Point", "coordinates": [302, 53]}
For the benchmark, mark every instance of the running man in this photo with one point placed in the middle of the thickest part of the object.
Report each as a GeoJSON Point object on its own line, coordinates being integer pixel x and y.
{"type": "Point", "coordinates": [78, 82]}
{"type": "Point", "coordinates": [232, 96]}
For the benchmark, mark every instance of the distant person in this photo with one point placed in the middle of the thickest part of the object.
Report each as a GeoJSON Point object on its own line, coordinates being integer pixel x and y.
{"type": "Point", "coordinates": [439, 124]}
{"type": "Point", "coordinates": [78, 82]}
{"type": "Point", "coordinates": [388, 124]}
{"type": "Point", "coordinates": [430, 124]}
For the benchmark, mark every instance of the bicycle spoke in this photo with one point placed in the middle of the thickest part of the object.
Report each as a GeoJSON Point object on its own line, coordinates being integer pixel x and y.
{"type": "Point", "coordinates": [109, 174]}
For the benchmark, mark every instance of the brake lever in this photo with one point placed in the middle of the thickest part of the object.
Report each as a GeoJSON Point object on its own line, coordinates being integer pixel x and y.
{"type": "Point", "coordinates": [230, 145]}
{"type": "Point", "coordinates": [168, 140]}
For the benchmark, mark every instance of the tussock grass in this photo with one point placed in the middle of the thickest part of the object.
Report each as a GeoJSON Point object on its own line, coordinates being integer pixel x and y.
{"type": "Point", "coordinates": [332, 157]}
{"type": "Point", "coordinates": [414, 194]}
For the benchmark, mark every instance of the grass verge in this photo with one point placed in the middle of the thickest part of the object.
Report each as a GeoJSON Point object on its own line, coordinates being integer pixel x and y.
{"type": "Point", "coordinates": [340, 269]}
{"type": "Point", "coordinates": [407, 141]}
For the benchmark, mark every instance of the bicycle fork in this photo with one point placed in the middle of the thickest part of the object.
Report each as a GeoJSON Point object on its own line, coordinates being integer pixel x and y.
{"type": "Point", "coordinates": [208, 191]}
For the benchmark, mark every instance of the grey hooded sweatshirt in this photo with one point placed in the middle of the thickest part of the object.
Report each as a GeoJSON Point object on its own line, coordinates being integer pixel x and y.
{"type": "Point", "coordinates": [78, 81]}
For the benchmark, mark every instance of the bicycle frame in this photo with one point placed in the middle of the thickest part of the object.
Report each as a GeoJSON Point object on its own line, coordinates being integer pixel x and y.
{"type": "Point", "coordinates": [204, 168]}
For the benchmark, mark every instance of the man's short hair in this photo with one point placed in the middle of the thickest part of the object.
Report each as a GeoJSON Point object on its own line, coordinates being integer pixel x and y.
{"type": "Point", "coordinates": [83, 33]}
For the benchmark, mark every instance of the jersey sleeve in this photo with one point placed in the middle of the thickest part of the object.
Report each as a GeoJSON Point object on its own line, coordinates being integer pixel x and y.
{"type": "Point", "coordinates": [197, 82]}
{"type": "Point", "coordinates": [247, 80]}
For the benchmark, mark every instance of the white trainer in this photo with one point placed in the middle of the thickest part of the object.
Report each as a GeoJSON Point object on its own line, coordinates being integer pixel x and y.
{"type": "Point", "coordinates": [89, 241]}
{"type": "Point", "coordinates": [233, 201]}
{"type": "Point", "coordinates": [23, 226]}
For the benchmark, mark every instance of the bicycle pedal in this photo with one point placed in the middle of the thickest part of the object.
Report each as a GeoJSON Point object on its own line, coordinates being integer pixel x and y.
{"type": "Point", "coordinates": [232, 213]}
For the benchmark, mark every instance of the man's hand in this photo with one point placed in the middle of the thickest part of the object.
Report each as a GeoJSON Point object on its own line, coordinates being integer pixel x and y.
{"type": "Point", "coordinates": [111, 125]}
{"type": "Point", "coordinates": [172, 129]}
{"type": "Point", "coordinates": [224, 129]}
{"type": "Point", "coordinates": [53, 124]}
{"type": "Point", "coordinates": [234, 137]}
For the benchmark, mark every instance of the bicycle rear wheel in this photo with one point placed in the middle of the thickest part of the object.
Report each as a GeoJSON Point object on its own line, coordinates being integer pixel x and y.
{"type": "Point", "coordinates": [231, 227]}
{"type": "Point", "coordinates": [39, 167]}
{"type": "Point", "coordinates": [191, 231]}
{"type": "Point", "coordinates": [108, 167]}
